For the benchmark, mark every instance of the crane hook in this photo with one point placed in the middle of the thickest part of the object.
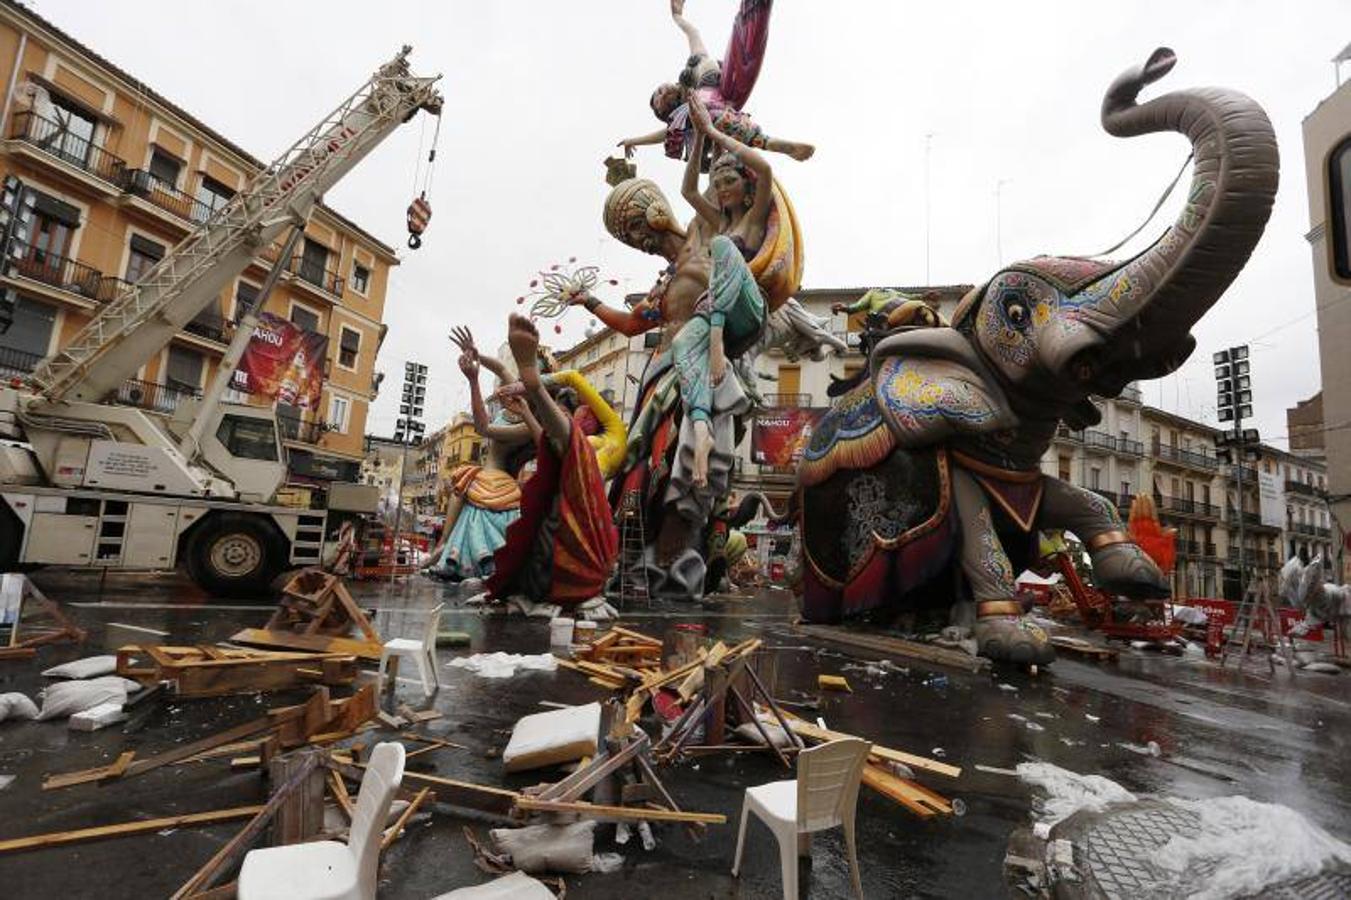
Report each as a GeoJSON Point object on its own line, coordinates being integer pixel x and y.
{"type": "Point", "coordinates": [419, 214]}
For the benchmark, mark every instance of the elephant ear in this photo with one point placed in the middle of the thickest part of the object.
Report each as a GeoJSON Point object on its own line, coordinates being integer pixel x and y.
{"type": "Point", "coordinates": [931, 386]}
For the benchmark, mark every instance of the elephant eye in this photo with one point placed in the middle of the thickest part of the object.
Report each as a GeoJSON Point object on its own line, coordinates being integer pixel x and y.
{"type": "Point", "coordinates": [1015, 309]}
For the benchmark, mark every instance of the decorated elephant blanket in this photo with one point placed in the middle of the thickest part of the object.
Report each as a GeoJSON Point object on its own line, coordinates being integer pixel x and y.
{"type": "Point", "coordinates": [875, 520]}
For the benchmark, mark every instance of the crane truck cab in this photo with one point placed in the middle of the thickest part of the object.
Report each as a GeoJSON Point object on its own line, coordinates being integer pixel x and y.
{"type": "Point", "coordinates": [107, 487]}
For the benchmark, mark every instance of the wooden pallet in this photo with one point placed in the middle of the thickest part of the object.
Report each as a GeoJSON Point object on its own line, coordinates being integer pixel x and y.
{"type": "Point", "coordinates": [204, 671]}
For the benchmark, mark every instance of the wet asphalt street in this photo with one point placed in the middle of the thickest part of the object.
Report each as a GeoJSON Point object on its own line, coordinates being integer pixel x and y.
{"type": "Point", "coordinates": [1219, 733]}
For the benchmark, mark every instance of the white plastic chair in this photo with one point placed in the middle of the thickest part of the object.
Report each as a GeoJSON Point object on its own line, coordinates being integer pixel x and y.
{"type": "Point", "coordinates": [822, 796]}
{"type": "Point", "coordinates": [422, 651]}
{"type": "Point", "coordinates": [328, 870]}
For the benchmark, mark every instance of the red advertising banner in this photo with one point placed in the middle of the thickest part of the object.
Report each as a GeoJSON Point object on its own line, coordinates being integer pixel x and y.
{"type": "Point", "coordinates": [282, 362]}
{"type": "Point", "coordinates": [1225, 612]}
{"type": "Point", "coordinates": [779, 435]}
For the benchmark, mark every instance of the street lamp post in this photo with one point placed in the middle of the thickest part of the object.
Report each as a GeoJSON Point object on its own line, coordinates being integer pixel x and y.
{"type": "Point", "coordinates": [1234, 404]}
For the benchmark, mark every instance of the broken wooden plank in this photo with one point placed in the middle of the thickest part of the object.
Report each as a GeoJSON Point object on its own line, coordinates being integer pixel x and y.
{"type": "Point", "coordinates": [894, 646]}
{"type": "Point", "coordinates": [456, 793]}
{"type": "Point", "coordinates": [261, 637]}
{"type": "Point", "coordinates": [112, 770]}
{"type": "Point", "coordinates": [340, 793]}
{"type": "Point", "coordinates": [918, 799]}
{"type": "Point", "coordinates": [634, 635]}
{"type": "Point", "coordinates": [397, 828]}
{"type": "Point", "coordinates": [178, 754]}
{"type": "Point", "coordinates": [582, 780]}
{"type": "Point", "coordinates": [616, 813]}
{"type": "Point", "coordinates": [815, 732]}
{"type": "Point", "coordinates": [58, 838]}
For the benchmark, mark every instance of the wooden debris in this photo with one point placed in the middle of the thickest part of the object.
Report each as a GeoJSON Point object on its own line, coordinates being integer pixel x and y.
{"type": "Point", "coordinates": [894, 646]}
{"type": "Point", "coordinates": [16, 592]}
{"type": "Point", "coordinates": [915, 797]}
{"type": "Point", "coordinates": [1084, 648]}
{"type": "Point", "coordinates": [319, 720]}
{"type": "Point", "coordinates": [456, 793]}
{"type": "Point", "coordinates": [393, 832]}
{"type": "Point", "coordinates": [340, 794]}
{"type": "Point", "coordinates": [617, 813]}
{"type": "Point", "coordinates": [226, 855]}
{"type": "Point", "coordinates": [202, 671]}
{"type": "Point", "coordinates": [432, 743]}
{"type": "Point", "coordinates": [141, 826]}
{"type": "Point", "coordinates": [317, 613]}
{"type": "Point", "coordinates": [833, 683]}
{"type": "Point", "coordinates": [815, 732]}
{"type": "Point", "coordinates": [112, 770]}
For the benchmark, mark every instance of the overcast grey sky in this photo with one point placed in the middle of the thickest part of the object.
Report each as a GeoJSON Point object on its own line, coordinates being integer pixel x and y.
{"type": "Point", "coordinates": [538, 92]}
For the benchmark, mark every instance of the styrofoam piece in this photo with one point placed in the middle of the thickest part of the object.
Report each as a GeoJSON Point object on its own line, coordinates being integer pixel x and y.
{"type": "Point", "coordinates": [98, 717]}
{"type": "Point", "coordinates": [553, 737]}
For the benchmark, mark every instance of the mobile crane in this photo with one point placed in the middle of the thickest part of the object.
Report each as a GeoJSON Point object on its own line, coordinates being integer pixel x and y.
{"type": "Point", "coordinates": [87, 483]}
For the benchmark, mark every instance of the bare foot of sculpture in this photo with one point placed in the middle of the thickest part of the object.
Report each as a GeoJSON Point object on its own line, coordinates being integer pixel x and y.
{"type": "Point", "coordinates": [523, 338]}
{"type": "Point", "coordinates": [703, 447]}
{"type": "Point", "coordinates": [1012, 639]}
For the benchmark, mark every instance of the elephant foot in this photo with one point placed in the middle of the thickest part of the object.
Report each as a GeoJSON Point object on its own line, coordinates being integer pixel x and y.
{"type": "Point", "coordinates": [1123, 568]}
{"type": "Point", "coordinates": [1011, 638]}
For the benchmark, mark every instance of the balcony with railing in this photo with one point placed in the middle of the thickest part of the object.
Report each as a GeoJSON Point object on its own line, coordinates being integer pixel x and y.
{"type": "Point", "coordinates": [1099, 440]}
{"type": "Point", "coordinates": [57, 141]}
{"type": "Point", "coordinates": [1300, 487]}
{"type": "Point", "coordinates": [788, 400]}
{"type": "Point", "coordinates": [1188, 548]}
{"type": "Point", "coordinates": [326, 280]}
{"type": "Point", "coordinates": [159, 397]}
{"type": "Point", "coordinates": [1177, 456]}
{"type": "Point", "coordinates": [1184, 506]}
{"type": "Point", "coordinates": [17, 362]}
{"type": "Point", "coordinates": [212, 326]}
{"type": "Point", "coordinates": [60, 272]}
{"type": "Point", "coordinates": [294, 428]}
{"type": "Point", "coordinates": [1062, 433]}
{"type": "Point", "coordinates": [140, 183]}
{"type": "Point", "coordinates": [1126, 445]}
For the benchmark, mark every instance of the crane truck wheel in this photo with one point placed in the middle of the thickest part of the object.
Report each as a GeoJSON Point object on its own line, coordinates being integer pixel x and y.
{"type": "Point", "coordinates": [233, 555]}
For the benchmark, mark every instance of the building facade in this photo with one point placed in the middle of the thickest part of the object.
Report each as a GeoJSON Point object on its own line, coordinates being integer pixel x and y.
{"type": "Point", "coordinates": [1327, 162]}
{"type": "Point", "coordinates": [612, 363]}
{"type": "Point", "coordinates": [118, 174]}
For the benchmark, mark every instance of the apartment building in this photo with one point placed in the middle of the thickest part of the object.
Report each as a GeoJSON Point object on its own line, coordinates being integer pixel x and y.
{"type": "Point", "coordinates": [118, 174]}
{"type": "Point", "coordinates": [1327, 165]}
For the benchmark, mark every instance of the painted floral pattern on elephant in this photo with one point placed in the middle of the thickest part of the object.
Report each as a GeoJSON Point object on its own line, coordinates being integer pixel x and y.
{"type": "Point", "coordinates": [993, 560]}
{"type": "Point", "coordinates": [917, 392]}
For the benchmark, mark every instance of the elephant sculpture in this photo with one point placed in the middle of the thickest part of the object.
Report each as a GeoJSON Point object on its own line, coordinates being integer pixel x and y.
{"type": "Point", "coordinates": [931, 456]}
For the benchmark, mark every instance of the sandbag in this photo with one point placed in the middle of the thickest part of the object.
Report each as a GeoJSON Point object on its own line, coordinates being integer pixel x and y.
{"type": "Point", "coordinates": [516, 886]}
{"type": "Point", "coordinates": [547, 848]}
{"type": "Point", "coordinates": [748, 732]}
{"type": "Point", "coordinates": [17, 706]}
{"type": "Point", "coordinates": [89, 667]}
{"type": "Point", "coordinates": [68, 697]}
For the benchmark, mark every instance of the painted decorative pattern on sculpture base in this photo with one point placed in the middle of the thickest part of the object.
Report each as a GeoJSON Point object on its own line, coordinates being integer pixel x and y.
{"type": "Point", "coordinates": [852, 435]}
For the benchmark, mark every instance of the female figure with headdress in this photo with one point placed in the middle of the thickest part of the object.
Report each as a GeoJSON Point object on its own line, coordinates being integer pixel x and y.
{"type": "Point", "coordinates": [485, 499]}
{"type": "Point", "coordinates": [723, 87]}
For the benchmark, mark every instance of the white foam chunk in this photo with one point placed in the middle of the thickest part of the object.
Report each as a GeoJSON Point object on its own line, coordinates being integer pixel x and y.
{"type": "Point", "coordinates": [100, 716]}
{"type": "Point", "coordinates": [553, 737]}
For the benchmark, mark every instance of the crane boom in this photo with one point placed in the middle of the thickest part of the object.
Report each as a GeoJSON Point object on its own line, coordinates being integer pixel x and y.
{"type": "Point", "coordinates": [144, 317]}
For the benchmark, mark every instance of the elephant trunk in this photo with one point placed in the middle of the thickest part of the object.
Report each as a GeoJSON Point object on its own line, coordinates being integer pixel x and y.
{"type": "Point", "coordinates": [1144, 310]}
